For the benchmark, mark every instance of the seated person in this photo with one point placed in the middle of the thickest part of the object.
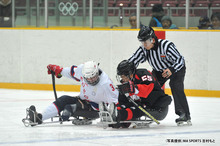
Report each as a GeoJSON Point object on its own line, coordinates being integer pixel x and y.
{"type": "Point", "coordinates": [215, 19]}
{"type": "Point", "coordinates": [5, 13]}
{"type": "Point", "coordinates": [157, 14]}
{"type": "Point", "coordinates": [204, 22]}
{"type": "Point", "coordinates": [167, 23]}
{"type": "Point", "coordinates": [96, 87]}
{"type": "Point", "coordinates": [144, 90]}
{"type": "Point", "coordinates": [133, 21]}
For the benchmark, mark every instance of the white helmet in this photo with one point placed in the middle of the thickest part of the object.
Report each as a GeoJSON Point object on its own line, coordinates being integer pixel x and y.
{"type": "Point", "coordinates": [90, 72]}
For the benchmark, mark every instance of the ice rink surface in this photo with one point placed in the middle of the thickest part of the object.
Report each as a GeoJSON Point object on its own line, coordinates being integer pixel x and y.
{"type": "Point", "coordinates": [205, 113]}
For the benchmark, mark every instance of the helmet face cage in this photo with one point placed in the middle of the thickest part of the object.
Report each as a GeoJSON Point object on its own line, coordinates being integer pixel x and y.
{"type": "Point", "coordinates": [145, 33]}
{"type": "Point", "coordinates": [93, 80]}
{"type": "Point", "coordinates": [125, 68]}
{"type": "Point", "coordinates": [90, 72]}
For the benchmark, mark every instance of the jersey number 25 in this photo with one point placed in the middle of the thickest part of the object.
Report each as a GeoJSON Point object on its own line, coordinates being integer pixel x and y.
{"type": "Point", "coordinates": [146, 77]}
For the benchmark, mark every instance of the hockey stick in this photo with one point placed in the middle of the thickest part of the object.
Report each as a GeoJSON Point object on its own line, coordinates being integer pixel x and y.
{"type": "Point", "coordinates": [142, 109]}
{"type": "Point", "coordinates": [125, 89]}
{"type": "Point", "coordinates": [55, 93]}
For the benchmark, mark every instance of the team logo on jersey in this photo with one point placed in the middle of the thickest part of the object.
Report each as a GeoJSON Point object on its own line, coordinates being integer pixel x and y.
{"type": "Point", "coordinates": [93, 93]}
{"type": "Point", "coordinates": [163, 57]}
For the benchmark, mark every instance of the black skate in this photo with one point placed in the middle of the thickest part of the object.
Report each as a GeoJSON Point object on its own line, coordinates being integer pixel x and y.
{"type": "Point", "coordinates": [34, 117]}
{"type": "Point", "coordinates": [184, 119]}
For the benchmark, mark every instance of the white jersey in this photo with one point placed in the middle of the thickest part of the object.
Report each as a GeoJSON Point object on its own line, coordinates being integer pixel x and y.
{"type": "Point", "coordinates": [103, 91]}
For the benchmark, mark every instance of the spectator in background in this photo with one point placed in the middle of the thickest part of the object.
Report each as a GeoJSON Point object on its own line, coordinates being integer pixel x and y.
{"type": "Point", "coordinates": [5, 13]}
{"type": "Point", "coordinates": [167, 23]}
{"type": "Point", "coordinates": [157, 14]}
{"type": "Point", "coordinates": [133, 21]}
{"type": "Point", "coordinates": [215, 19]}
{"type": "Point", "coordinates": [204, 22]}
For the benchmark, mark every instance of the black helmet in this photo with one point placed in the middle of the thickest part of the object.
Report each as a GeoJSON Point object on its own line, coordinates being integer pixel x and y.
{"type": "Point", "coordinates": [125, 68]}
{"type": "Point", "coordinates": [146, 33]}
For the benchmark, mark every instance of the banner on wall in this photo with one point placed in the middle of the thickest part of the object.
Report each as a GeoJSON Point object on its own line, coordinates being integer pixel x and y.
{"type": "Point", "coordinates": [160, 34]}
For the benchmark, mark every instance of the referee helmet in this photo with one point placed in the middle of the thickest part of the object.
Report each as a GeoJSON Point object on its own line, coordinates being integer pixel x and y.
{"type": "Point", "coordinates": [146, 33]}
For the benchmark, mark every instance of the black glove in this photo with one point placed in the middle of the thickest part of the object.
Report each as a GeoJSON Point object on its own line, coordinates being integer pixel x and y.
{"type": "Point", "coordinates": [132, 88]}
{"type": "Point", "coordinates": [127, 87]}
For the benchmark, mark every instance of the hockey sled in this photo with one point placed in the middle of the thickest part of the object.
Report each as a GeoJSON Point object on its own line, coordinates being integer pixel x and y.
{"type": "Point", "coordinates": [106, 121]}
{"type": "Point", "coordinates": [76, 120]}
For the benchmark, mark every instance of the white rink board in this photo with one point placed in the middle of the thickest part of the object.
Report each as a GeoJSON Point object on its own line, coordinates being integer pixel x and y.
{"type": "Point", "coordinates": [26, 53]}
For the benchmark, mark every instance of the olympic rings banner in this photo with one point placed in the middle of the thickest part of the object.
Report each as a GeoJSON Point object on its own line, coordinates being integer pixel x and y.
{"type": "Point", "coordinates": [68, 8]}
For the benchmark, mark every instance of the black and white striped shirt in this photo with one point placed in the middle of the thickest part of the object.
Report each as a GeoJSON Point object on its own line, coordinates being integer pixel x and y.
{"type": "Point", "coordinates": [164, 55]}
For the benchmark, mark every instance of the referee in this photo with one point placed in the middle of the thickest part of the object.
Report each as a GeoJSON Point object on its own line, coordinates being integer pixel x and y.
{"type": "Point", "coordinates": [167, 63]}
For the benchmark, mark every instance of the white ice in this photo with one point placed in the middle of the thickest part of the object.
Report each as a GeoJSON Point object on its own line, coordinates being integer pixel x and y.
{"type": "Point", "coordinates": [205, 113]}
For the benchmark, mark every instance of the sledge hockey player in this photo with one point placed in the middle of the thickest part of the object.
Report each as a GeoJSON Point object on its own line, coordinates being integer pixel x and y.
{"type": "Point", "coordinates": [143, 89]}
{"type": "Point", "coordinates": [96, 87]}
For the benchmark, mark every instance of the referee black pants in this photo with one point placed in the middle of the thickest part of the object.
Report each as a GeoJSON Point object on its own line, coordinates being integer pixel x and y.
{"type": "Point", "coordinates": [177, 89]}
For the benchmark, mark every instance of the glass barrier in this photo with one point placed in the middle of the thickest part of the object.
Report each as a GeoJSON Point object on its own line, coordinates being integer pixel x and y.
{"type": "Point", "coordinates": [101, 13]}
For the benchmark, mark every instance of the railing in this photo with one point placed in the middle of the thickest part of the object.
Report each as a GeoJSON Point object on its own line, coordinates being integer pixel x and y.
{"type": "Point", "coordinates": [87, 13]}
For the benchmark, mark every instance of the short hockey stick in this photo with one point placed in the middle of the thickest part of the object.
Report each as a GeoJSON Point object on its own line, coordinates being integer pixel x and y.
{"type": "Point", "coordinates": [55, 93]}
{"type": "Point", "coordinates": [142, 109]}
{"type": "Point", "coordinates": [125, 89]}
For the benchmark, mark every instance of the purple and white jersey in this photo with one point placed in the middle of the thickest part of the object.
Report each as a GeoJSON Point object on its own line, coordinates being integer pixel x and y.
{"type": "Point", "coordinates": [103, 91]}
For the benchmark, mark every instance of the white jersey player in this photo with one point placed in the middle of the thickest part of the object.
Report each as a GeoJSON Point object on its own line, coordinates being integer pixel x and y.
{"type": "Point", "coordinates": [100, 90]}
{"type": "Point", "coordinates": [96, 87]}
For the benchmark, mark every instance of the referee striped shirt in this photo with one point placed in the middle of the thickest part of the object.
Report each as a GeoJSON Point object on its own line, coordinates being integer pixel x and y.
{"type": "Point", "coordinates": [164, 55]}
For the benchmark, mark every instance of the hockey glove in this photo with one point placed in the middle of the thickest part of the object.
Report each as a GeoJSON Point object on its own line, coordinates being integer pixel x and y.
{"type": "Point", "coordinates": [132, 88]}
{"type": "Point", "coordinates": [127, 87]}
{"type": "Point", "coordinates": [56, 69]}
